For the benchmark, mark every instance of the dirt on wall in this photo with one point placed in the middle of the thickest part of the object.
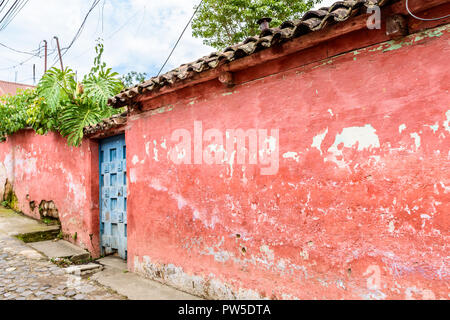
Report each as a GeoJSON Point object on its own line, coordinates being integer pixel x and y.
{"type": "Point", "coordinates": [47, 209]}
{"type": "Point", "coordinates": [9, 198]}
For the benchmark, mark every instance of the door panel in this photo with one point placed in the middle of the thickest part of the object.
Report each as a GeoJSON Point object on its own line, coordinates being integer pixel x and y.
{"type": "Point", "coordinates": [113, 193]}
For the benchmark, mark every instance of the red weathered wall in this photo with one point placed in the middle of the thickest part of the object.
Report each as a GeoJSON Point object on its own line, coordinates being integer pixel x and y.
{"type": "Point", "coordinates": [359, 207]}
{"type": "Point", "coordinates": [46, 168]}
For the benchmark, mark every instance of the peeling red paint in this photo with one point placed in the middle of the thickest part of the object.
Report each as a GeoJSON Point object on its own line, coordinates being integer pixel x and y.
{"type": "Point", "coordinates": [365, 219]}
{"type": "Point", "coordinates": [45, 168]}
{"type": "Point", "coordinates": [359, 206]}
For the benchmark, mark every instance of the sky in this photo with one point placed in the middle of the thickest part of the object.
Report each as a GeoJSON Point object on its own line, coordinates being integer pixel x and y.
{"type": "Point", "coordinates": [138, 36]}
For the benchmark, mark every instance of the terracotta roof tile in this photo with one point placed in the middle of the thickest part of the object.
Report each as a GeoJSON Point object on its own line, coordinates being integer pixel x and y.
{"type": "Point", "coordinates": [311, 21]}
{"type": "Point", "coordinates": [114, 122]}
{"type": "Point", "coordinates": [12, 87]}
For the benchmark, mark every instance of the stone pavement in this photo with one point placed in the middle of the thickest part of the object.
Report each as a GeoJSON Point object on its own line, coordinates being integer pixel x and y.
{"type": "Point", "coordinates": [27, 275]}
{"type": "Point", "coordinates": [115, 276]}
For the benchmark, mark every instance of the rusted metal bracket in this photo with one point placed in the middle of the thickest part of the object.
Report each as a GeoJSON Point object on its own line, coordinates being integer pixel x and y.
{"type": "Point", "coordinates": [396, 26]}
{"type": "Point", "coordinates": [227, 78]}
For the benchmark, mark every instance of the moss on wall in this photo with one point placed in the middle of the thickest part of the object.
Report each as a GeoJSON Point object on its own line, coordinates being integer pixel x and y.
{"type": "Point", "coordinates": [9, 198]}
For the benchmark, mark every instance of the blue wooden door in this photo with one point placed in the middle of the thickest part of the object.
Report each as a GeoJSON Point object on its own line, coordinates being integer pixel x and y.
{"type": "Point", "coordinates": [113, 196]}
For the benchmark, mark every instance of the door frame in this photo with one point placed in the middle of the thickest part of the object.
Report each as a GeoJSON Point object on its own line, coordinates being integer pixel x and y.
{"type": "Point", "coordinates": [99, 192]}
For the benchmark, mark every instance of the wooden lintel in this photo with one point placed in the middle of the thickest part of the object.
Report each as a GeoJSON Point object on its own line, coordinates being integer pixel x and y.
{"type": "Point", "coordinates": [295, 45]}
{"type": "Point", "coordinates": [227, 78]}
{"type": "Point", "coordinates": [416, 6]}
{"type": "Point", "coordinates": [292, 46]}
{"type": "Point", "coordinates": [396, 26]}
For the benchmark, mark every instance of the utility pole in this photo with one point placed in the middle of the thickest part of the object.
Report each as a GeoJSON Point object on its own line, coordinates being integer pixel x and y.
{"type": "Point", "coordinates": [45, 49]}
{"type": "Point", "coordinates": [59, 52]}
{"type": "Point", "coordinates": [34, 74]}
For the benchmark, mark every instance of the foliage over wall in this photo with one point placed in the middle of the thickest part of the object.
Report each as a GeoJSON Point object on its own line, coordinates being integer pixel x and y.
{"type": "Point", "coordinates": [222, 23]}
{"type": "Point", "coordinates": [62, 104]}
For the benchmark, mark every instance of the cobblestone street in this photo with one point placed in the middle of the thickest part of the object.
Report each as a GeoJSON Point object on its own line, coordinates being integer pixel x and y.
{"type": "Point", "coordinates": [26, 275]}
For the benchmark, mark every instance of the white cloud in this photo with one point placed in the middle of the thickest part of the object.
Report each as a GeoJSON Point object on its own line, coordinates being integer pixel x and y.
{"type": "Point", "coordinates": [138, 35]}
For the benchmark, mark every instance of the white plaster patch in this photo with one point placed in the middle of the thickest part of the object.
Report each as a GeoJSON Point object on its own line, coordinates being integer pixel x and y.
{"type": "Point", "coordinates": [292, 155]}
{"type": "Point", "coordinates": [365, 137]}
{"type": "Point", "coordinates": [180, 154]}
{"type": "Point", "coordinates": [435, 127]}
{"type": "Point", "coordinates": [318, 140]}
{"type": "Point", "coordinates": [422, 294]}
{"type": "Point", "coordinates": [304, 254]}
{"type": "Point", "coordinates": [208, 287]}
{"type": "Point", "coordinates": [447, 122]}
{"type": "Point", "coordinates": [7, 171]}
{"type": "Point", "coordinates": [196, 215]}
{"type": "Point", "coordinates": [77, 189]}
{"type": "Point", "coordinates": [268, 252]}
{"type": "Point", "coordinates": [244, 177]}
{"type": "Point", "coordinates": [182, 202]}
{"type": "Point", "coordinates": [446, 189]}
{"type": "Point", "coordinates": [219, 256]}
{"type": "Point", "coordinates": [29, 166]}
{"type": "Point", "coordinates": [331, 112]}
{"type": "Point", "coordinates": [3, 177]}
{"type": "Point", "coordinates": [135, 160]}
{"type": "Point", "coordinates": [156, 184]}
{"type": "Point", "coordinates": [133, 175]}
{"type": "Point", "coordinates": [402, 128]}
{"type": "Point", "coordinates": [270, 146]}
{"type": "Point", "coordinates": [417, 140]}
{"type": "Point", "coordinates": [155, 152]}
{"type": "Point", "coordinates": [391, 227]}
{"type": "Point", "coordinates": [231, 163]}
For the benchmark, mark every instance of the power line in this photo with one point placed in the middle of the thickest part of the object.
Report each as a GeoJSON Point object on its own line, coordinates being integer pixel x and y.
{"type": "Point", "coordinates": [80, 29]}
{"type": "Point", "coordinates": [9, 11]}
{"type": "Point", "coordinates": [423, 19]}
{"type": "Point", "coordinates": [37, 55]}
{"type": "Point", "coordinates": [103, 10]}
{"type": "Point", "coordinates": [123, 25]}
{"type": "Point", "coordinates": [112, 34]}
{"type": "Point", "coordinates": [13, 11]}
{"type": "Point", "coordinates": [17, 12]}
{"type": "Point", "coordinates": [179, 38]}
{"type": "Point", "coordinates": [19, 64]}
{"type": "Point", "coordinates": [3, 1]}
{"type": "Point", "coordinates": [31, 53]}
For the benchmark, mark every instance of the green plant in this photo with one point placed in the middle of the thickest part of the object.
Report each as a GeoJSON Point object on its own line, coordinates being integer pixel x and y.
{"type": "Point", "coordinates": [80, 104]}
{"type": "Point", "coordinates": [49, 221]}
{"type": "Point", "coordinates": [61, 262]}
{"type": "Point", "coordinates": [10, 200]}
{"type": "Point", "coordinates": [222, 23]}
{"type": "Point", "coordinates": [61, 103]}
{"type": "Point", "coordinates": [132, 78]}
{"type": "Point", "coordinates": [15, 111]}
